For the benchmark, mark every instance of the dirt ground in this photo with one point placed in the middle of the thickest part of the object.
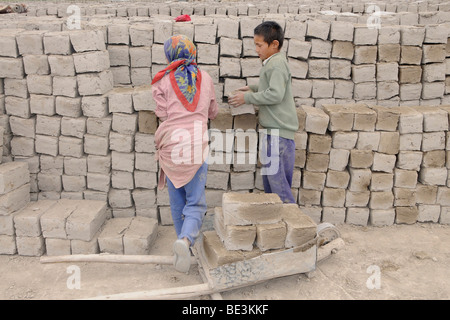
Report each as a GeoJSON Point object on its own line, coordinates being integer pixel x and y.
{"type": "Point", "coordinates": [396, 262]}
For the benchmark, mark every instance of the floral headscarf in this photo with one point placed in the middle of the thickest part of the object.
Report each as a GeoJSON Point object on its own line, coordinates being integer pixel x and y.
{"type": "Point", "coordinates": [184, 73]}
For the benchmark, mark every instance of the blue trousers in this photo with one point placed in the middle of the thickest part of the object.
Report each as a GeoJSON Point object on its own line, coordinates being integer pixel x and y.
{"type": "Point", "coordinates": [188, 205]}
{"type": "Point", "coordinates": [279, 156]}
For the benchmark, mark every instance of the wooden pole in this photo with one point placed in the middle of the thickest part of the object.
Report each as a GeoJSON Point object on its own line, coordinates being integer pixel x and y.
{"type": "Point", "coordinates": [158, 294]}
{"type": "Point", "coordinates": [112, 258]}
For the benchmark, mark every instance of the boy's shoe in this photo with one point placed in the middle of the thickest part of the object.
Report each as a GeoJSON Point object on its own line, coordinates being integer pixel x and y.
{"type": "Point", "coordinates": [182, 261]}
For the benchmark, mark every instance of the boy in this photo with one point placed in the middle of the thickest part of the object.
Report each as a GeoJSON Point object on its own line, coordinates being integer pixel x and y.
{"type": "Point", "coordinates": [277, 111]}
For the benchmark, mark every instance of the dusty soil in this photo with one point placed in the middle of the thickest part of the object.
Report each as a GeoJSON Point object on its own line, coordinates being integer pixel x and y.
{"type": "Point", "coordinates": [396, 262]}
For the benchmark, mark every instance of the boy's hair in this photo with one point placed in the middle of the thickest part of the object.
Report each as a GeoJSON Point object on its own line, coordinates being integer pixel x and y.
{"type": "Point", "coordinates": [270, 30]}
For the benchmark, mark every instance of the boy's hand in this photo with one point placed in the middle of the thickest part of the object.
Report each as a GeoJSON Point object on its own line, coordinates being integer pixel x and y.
{"type": "Point", "coordinates": [237, 99]}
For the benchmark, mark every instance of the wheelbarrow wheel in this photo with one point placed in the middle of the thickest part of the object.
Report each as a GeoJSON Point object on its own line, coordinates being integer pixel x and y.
{"type": "Point", "coordinates": [327, 232]}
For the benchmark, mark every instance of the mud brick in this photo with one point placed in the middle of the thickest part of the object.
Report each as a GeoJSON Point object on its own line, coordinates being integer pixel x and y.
{"type": "Point", "coordinates": [343, 50]}
{"type": "Point", "coordinates": [49, 181]}
{"type": "Point", "coordinates": [241, 209]}
{"type": "Point", "coordinates": [340, 118]}
{"type": "Point", "coordinates": [383, 162]}
{"type": "Point", "coordinates": [409, 160]}
{"type": "Point", "coordinates": [110, 239]}
{"type": "Point", "coordinates": [15, 87]}
{"type": "Point", "coordinates": [318, 29]}
{"type": "Point", "coordinates": [426, 194]}
{"type": "Point", "coordinates": [205, 33]}
{"type": "Point", "coordinates": [319, 143]}
{"type": "Point", "coordinates": [382, 217]}
{"type": "Point", "coordinates": [95, 145]}
{"type": "Point", "coordinates": [357, 198]}
{"type": "Point", "coordinates": [56, 247]}
{"type": "Point", "coordinates": [86, 219]}
{"type": "Point", "coordinates": [122, 180]}
{"type": "Point", "coordinates": [71, 147]}
{"type": "Point", "coordinates": [404, 197]}
{"type": "Point", "coordinates": [337, 179]}
{"type": "Point", "coordinates": [242, 180]}
{"type": "Point", "coordinates": [363, 73]}
{"type": "Point", "coordinates": [433, 176]}
{"type": "Point", "coordinates": [118, 34]}
{"type": "Point", "coordinates": [140, 235]}
{"type": "Point", "coordinates": [309, 197]}
{"type": "Point", "coordinates": [13, 175]}
{"type": "Point", "coordinates": [121, 142]}
{"type": "Point", "coordinates": [333, 197]}
{"type": "Point", "coordinates": [357, 216]}
{"type": "Point", "coordinates": [68, 106]}
{"type": "Point", "coordinates": [141, 34]}
{"type": "Point", "coordinates": [15, 199]}
{"type": "Point", "coordinates": [433, 72]}
{"type": "Point", "coordinates": [317, 162]}
{"type": "Point", "coordinates": [22, 146]}
{"type": "Point", "coordinates": [39, 84]}
{"type": "Point", "coordinates": [27, 220]}
{"type": "Point", "coordinates": [412, 91]}
{"type": "Point", "coordinates": [48, 125]}
{"type": "Point", "coordinates": [228, 28]}
{"type": "Point", "coordinates": [361, 159]}
{"type": "Point", "coordinates": [234, 237]}
{"type": "Point", "coordinates": [95, 106]}
{"type": "Point", "coordinates": [389, 34]}
{"type": "Point", "coordinates": [299, 49]}
{"type": "Point", "coordinates": [95, 83]}
{"type": "Point", "coordinates": [389, 52]}
{"type": "Point", "coordinates": [125, 123]}
{"type": "Point", "coordinates": [300, 228]}
{"type": "Point", "coordinates": [36, 64]}
{"type": "Point", "coordinates": [382, 181]}
{"type": "Point", "coordinates": [11, 68]}
{"type": "Point", "coordinates": [223, 120]}
{"type": "Point", "coordinates": [443, 196]}
{"type": "Point", "coordinates": [61, 65]}
{"type": "Point", "coordinates": [428, 213]}
{"type": "Point", "coordinates": [318, 68]}
{"type": "Point", "coordinates": [162, 31]}
{"type": "Point", "coordinates": [433, 90]}
{"type": "Point", "coordinates": [75, 166]}
{"type": "Point", "coordinates": [435, 158]}
{"type": "Point", "coordinates": [333, 215]}
{"type": "Point", "coordinates": [217, 255]}
{"type": "Point", "coordinates": [47, 145]}
{"type": "Point", "coordinates": [359, 179]}
{"type": "Point", "coordinates": [339, 159]}
{"type": "Point", "coordinates": [99, 126]}
{"type": "Point", "coordinates": [344, 140]}
{"type": "Point", "coordinates": [341, 30]}
{"type": "Point", "coordinates": [143, 142]}
{"type": "Point", "coordinates": [145, 179]}
{"type": "Point", "coordinates": [406, 215]}
{"type": "Point", "coordinates": [365, 55]}
{"type": "Point", "coordinates": [57, 43]}
{"type": "Point", "coordinates": [98, 181]}
{"type": "Point", "coordinates": [314, 180]}
{"type": "Point", "coordinates": [87, 40]}
{"type": "Point", "coordinates": [433, 141]}
{"type": "Point", "coordinates": [30, 246]}
{"type": "Point", "coordinates": [387, 71]}
{"type": "Point", "coordinates": [412, 36]}
{"type": "Point", "coordinates": [434, 118]}
{"type": "Point", "coordinates": [411, 55]}
{"type": "Point", "coordinates": [433, 53]}
{"type": "Point", "coordinates": [30, 42]}
{"type": "Point", "coordinates": [142, 98]}
{"type": "Point", "coordinates": [411, 121]}
{"type": "Point", "coordinates": [381, 200]}
{"type": "Point", "coordinates": [94, 61]}
{"type": "Point", "coordinates": [389, 142]}
{"type": "Point", "coordinates": [364, 35]}
{"type": "Point", "coordinates": [8, 244]}
{"type": "Point", "coordinates": [74, 127]}
{"type": "Point", "coordinates": [270, 236]}
{"type": "Point", "coordinates": [22, 127]}
{"type": "Point", "coordinates": [368, 141]}
{"type": "Point", "coordinates": [435, 33]}
{"type": "Point", "coordinates": [146, 162]}
{"type": "Point", "coordinates": [340, 68]}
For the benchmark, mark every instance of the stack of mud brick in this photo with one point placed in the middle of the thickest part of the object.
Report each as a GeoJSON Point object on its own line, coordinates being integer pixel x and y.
{"type": "Point", "coordinates": [250, 224]}
{"type": "Point", "coordinates": [378, 165]}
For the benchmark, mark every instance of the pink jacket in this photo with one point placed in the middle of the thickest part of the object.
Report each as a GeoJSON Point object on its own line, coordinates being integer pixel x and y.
{"type": "Point", "coordinates": [182, 138]}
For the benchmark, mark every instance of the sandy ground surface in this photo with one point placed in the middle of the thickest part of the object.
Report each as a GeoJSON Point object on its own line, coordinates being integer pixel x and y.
{"type": "Point", "coordinates": [396, 262]}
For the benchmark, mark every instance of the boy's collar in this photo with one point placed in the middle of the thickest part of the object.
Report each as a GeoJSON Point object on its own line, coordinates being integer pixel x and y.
{"type": "Point", "coordinates": [267, 60]}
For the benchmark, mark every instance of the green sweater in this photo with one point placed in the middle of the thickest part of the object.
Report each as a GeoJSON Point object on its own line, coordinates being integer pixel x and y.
{"type": "Point", "coordinates": [274, 97]}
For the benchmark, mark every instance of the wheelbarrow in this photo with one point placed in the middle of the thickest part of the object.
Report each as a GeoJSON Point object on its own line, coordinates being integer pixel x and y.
{"type": "Point", "coordinates": [237, 274]}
